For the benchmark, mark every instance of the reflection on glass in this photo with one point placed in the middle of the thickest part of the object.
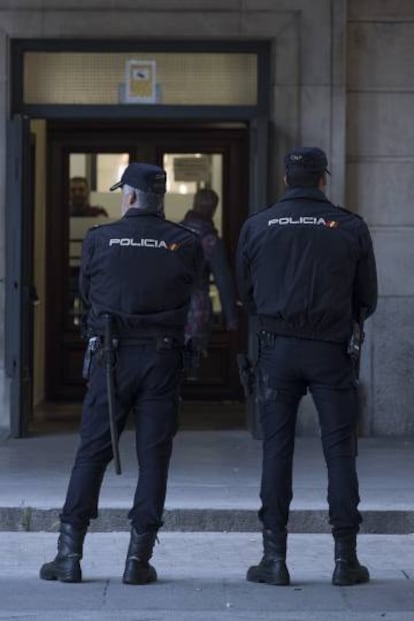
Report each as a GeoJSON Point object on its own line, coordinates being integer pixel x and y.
{"type": "Point", "coordinates": [187, 173]}
{"type": "Point", "coordinates": [80, 201]}
{"type": "Point", "coordinates": [90, 202]}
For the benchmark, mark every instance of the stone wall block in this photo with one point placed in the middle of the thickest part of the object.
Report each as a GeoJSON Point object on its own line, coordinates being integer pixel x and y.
{"type": "Point", "coordinates": [314, 17]}
{"type": "Point", "coordinates": [122, 5]}
{"type": "Point", "coordinates": [380, 56]}
{"type": "Point", "coordinates": [150, 24]}
{"type": "Point", "coordinates": [380, 9]}
{"type": "Point", "coordinates": [316, 129]}
{"type": "Point", "coordinates": [393, 367]}
{"type": "Point", "coordinates": [380, 124]}
{"type": "Point", "coordinates": [382, 191]}
{"type": "Point", "coordinates": [316, 61]}
{"type": "Point", "coordinates": [284, 134]}
{"type": "Point", "coordinates": [22, 23]}
{"type": "Point", "coordinates": [264, 25]}
{"type": "Point", "coordinates": [286, 53]}
{"type": "Point", "coordinates": [394, 249]}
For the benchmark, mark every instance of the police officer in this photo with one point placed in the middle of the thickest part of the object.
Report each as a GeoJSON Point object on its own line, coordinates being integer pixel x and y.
{"type": "Point", "coordinates": [306, 268]}
{"type": "Point", "coordinates": [141, 269]}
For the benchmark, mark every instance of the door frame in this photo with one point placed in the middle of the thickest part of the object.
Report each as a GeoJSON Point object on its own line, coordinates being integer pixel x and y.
{"type": "Point", "coordinates": [19, 298]}
{"type": "Point", "coordinates": [257, 118]}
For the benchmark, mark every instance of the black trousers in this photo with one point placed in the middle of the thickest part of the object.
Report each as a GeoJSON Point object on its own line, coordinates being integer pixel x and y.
{"type": "Point", "coordinates": [287, 367]}
{"type": "Point", "coordinates": [147, 382]}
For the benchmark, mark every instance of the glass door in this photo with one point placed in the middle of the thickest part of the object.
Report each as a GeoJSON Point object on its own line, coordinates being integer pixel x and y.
{"type": "Point", "coordinates": [89, 203]}
{"type": "Point", "coordinates": [84, 162]}
{"type": "Point", "coordinates": [186, 174]}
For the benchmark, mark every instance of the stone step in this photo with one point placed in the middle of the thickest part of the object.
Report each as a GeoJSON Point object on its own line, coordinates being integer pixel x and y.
{"type": "Point", "coordinates": [381, 521]}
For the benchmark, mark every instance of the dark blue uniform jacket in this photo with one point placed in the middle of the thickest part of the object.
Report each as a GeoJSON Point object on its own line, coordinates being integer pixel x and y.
{"type": "Point", "coordinates": [142, 270]}
{"type": "Point", "coordinates": [306, 267]}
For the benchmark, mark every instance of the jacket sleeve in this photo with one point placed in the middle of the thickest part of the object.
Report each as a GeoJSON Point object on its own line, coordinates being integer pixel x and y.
{"type": "Point", "coordinates": [224, 282]}
{"type": "Point", "coordinates": [84, 272]}
{"type": "Point", "coordinates": [199, 262]}
{"type": "Point", "coordinates": [365, 284]}
{"type": "Point", "coordinates": [243, 272]}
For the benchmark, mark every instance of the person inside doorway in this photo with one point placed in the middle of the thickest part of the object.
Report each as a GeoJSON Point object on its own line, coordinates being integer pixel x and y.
{"type": "Point", "coordinates": [79, 197]}
{"type": "Point", "coordinates": [200, 316]}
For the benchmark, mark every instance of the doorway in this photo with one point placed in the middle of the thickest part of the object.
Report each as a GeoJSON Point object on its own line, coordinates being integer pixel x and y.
{"type": "Point", "coordinates": [195, 155]}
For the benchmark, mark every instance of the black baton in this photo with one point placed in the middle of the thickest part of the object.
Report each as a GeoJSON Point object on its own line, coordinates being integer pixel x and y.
{"type": "Point", "coordinates": [355, 352]}
{"type": "Point", "coordinates": [110, 387]}
{"type": "Point", "coordinates": [357, 339]}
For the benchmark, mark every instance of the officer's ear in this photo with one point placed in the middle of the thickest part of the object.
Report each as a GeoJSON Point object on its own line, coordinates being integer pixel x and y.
{"type": "Point", "coordinates": [128, 199]}
{"type": "Point", "coordinates": [323, 182]}
{"type": "Point", "coordinates": [285, 181]}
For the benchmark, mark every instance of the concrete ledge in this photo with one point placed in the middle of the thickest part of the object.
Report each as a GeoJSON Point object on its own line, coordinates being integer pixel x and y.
{"type": "Point", "coordinates": [216, 520]}
{"type": "Point", "coordinates": [4, 434]}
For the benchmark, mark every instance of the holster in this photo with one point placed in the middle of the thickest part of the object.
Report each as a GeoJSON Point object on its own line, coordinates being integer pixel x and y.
{"type": "Point", "coordinates": [94, 343]}
{"type": "Point", "coordinates": [191, 360]}
{"type": "Point", "coordinates": [247, 374]}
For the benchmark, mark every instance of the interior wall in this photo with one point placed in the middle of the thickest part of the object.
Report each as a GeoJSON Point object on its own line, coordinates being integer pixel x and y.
{"type": "Point", "coordinates": [38, 128]}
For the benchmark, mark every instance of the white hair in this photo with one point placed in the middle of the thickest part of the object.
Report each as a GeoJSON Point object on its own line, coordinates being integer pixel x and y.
{"type": "Point", "coordinates": [144, 200]}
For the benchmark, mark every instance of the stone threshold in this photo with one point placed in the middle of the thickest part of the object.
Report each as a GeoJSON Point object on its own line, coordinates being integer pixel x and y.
{"type": "Point", "coordinates": [32, 519]}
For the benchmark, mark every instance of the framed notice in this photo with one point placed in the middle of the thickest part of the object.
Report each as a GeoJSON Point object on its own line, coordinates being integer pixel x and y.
{"type": "Point", "coordinates": [140, 81]}
{"type": "Point", "coordinates": [192, 168]}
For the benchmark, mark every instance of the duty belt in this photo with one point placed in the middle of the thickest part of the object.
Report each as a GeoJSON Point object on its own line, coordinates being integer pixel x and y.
{"type": "Point", "coordinates": [158, 342]}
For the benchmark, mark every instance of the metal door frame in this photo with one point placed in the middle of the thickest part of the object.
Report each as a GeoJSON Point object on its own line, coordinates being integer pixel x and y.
{"type": "Point", "coordinates": [18, 286]}
{"type": "Point", "coordinates": [257, 118]}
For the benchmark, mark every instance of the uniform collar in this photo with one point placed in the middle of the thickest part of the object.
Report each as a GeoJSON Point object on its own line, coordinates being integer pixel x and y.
{"type": "Point", "coordinates": [134, 212]}
{"type": "Point", "coordinates": [308, 193]}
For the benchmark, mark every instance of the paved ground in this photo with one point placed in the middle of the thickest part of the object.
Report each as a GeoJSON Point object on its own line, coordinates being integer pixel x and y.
{"type": "Point", "coordinates": [202, 579]}
{"type": "Point", "coordinates": [213, 485]}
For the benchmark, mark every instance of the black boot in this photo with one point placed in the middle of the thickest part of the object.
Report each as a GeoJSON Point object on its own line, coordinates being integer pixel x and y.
{"type": "Point", "coordinates": [66, 565]}
{"type": "Point", "coordinates": [347, 570]}
{"type": "Point", "coordinates": [272, 568]}
{"type": "Point", "coordinates": [137, 568]}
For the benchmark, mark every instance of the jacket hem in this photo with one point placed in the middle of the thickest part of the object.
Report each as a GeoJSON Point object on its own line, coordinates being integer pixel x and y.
{"type": "Point", "coordinates": [282, 329]}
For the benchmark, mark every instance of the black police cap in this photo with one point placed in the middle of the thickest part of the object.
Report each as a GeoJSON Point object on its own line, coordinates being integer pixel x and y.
{"type": "Point", "coordinates": [306, 160]}
{"type": "Point", "coordinates": [145, 177]}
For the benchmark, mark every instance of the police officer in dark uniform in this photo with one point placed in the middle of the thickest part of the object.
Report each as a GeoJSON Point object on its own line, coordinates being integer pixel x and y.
{"type": "Point", "coordinates": [141, 270]}
{"type": "Point", "coordinates": [306, 268]}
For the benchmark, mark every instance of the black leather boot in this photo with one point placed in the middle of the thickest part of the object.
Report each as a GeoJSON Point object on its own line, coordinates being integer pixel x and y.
{"type": "Point", "coordinates": [272, 568]}
{"type": "Point", "coordinates": [66, 565]}
{"type": "Point", "coordinates": [348, 570]}
{"type": "Point", "coordinates": [137, 568]}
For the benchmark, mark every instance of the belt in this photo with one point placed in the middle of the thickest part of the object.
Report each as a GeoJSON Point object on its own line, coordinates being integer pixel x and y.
{"type": "Point", "coordinates": [159, 343]}
{"type": "Point", "coordinates": [266, 338]}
